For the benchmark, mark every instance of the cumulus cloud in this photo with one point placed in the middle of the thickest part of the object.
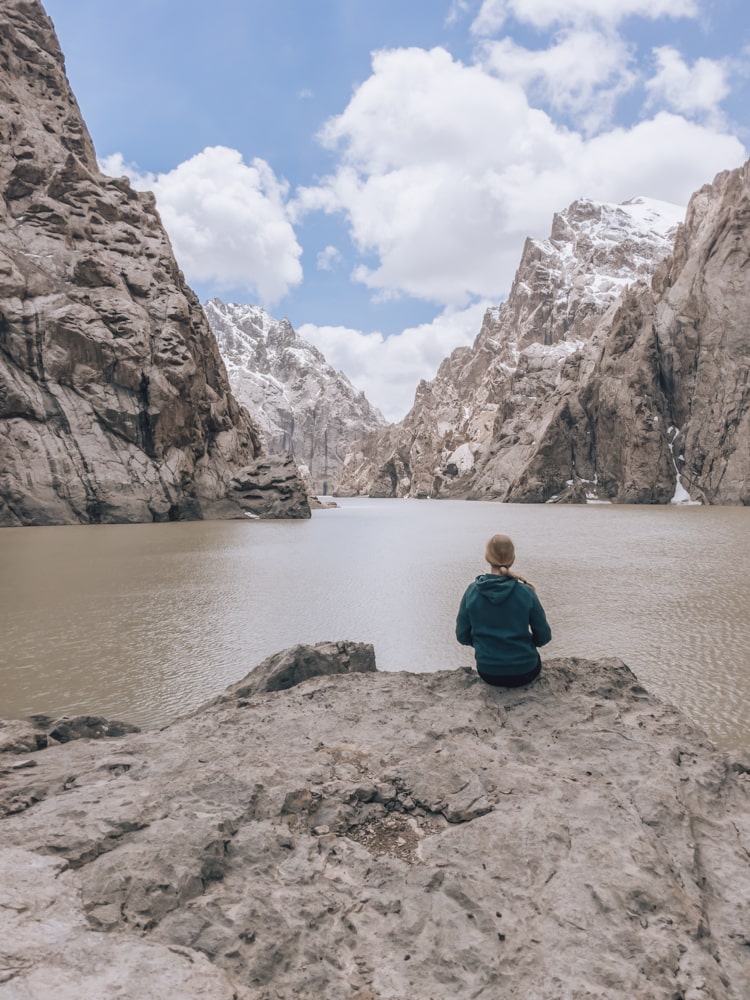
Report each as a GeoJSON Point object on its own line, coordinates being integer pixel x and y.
{"type": "Point", "coordinates": [446, 168]}
{"type": "Point", "coordinates": [697, 89]}
{"type": "Point", "coordinates": [388, 369]}
{"type": "Point", "coordinates": [493, 14]}
{"type": "Point", "coordinates": [227, 221]}
{"type": "Point", "coordinates": [581, 74]}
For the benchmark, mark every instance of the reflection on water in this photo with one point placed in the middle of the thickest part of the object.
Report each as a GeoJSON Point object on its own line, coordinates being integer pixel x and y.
{"type": "Point", "coordinates": [144, 622]}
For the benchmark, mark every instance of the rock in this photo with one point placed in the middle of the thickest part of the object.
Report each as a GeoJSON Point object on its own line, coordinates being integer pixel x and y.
{"type": "Point", "coordinates": [88, 727]}
{"type": "Point", "coordinates": [661, 411]}
{"type": "Point", "coordinates": [114, 401]}
{"type": "Point", "coordinates": [384, 835]}
{"type": "Point", "coordinates": [20, 736]}
{"type": "Point", "coordinates": [54, 953]}
{"type": "Point", "coordinates": [292, 666]}
{"type": "Point", "coordinates": [301, 404]}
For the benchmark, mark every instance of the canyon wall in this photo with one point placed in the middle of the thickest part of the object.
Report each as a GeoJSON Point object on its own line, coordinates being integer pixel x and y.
{"type": "Point", "coordinates": [114, 400]}
{"type": "Point", "coordinates": [617, 370]}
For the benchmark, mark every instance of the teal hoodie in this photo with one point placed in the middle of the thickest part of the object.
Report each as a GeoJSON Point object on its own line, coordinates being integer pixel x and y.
{"type": "Point", "coordinates": [504, 621]}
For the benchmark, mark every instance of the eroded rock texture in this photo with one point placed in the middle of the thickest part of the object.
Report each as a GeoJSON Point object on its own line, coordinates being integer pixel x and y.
{"type": "Point", "coordinates": [592, 382]}
{"type": "Point", "coordinates": [114, 400]}
{"type": "Point", "coordinates": [661, 407]}
{"type": "Point", "coordinates": [302, 406]}
{"type": "Point", "coordinates": [381, 836]}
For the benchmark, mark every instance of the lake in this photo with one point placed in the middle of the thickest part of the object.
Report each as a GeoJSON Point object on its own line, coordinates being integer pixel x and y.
{"type": "Point", "coordinates": [144, 622]}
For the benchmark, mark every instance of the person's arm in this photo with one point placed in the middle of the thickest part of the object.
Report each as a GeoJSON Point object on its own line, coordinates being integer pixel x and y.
{"type": "Point", "coordinates": [541, 633]}
{"type": "Point", "coordinates": [463, 625]}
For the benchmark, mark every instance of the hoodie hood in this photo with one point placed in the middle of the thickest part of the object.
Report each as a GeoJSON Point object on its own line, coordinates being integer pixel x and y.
{"type": "Point", "coordinates": [496, 589]}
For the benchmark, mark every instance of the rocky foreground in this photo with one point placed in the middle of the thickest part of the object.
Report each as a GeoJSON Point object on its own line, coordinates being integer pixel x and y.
{"type": "Point", "coordinates": [379, 835]}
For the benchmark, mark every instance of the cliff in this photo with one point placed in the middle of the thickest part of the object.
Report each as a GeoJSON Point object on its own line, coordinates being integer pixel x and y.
{"type": "Point", "coordinates": [114, 400]}
{"type": "Point", "coordinates": [377, 836]}
{"type": "Point", "coordinates": [616, 370]}
{"type": "Point", "coordinates": [658, 409]}
{"type": "Point", "coordinates": [302, 405]}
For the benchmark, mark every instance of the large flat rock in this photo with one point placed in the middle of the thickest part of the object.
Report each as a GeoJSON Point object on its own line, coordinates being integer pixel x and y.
{"type": "Point", "coordinates": [384, 835]}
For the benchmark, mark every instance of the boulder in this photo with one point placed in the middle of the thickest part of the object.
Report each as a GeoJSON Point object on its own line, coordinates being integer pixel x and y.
{"type": "Point", "coordinates": [290, 667]}
{"type": "Point", "coordinates": [88, 727]}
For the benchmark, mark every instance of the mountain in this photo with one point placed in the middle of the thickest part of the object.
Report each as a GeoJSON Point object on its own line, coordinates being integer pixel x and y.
{"type": "Point", "coordinates": [301, 404]}
{"type": "Point", "coordinates": [660, 407]}
{"type": "Point", "coordinates": [619, 358]}
{"type": "Point", "coordinates": [114, 400]}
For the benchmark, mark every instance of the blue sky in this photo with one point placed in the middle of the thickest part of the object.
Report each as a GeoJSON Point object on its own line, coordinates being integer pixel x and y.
{"type": "Point", "coordinates": [371, 168]}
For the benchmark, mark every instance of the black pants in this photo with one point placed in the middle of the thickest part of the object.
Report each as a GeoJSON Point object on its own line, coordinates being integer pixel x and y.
{"type": "Point", "coordinates": [512, 680]}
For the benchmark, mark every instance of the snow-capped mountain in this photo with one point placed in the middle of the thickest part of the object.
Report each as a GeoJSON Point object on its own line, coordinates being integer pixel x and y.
{"type": "Point", "coordinates": [618, 369]}
{"type": "Point", "coordinates": [472, 429]}
{"type": "Point", "coordinates": [301, 404]}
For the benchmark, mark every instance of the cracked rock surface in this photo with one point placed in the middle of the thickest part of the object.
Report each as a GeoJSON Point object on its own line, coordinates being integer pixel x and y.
{"type": "Point", "coordinates": [356, 834]}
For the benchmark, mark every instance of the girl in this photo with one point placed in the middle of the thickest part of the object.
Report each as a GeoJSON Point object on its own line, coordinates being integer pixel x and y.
{"type": "Point", "coordinates": [503, 619]}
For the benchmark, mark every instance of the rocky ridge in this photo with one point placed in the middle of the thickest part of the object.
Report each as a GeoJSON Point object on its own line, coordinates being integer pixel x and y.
{"type": "Point", "coordinates": [301, 404]}
{"type": "Point", "coordinates": [323, 829]}
{"type": "Point", "coordinates": [114, 400]}
{"type": "Point", "coordinates": [582, 385]}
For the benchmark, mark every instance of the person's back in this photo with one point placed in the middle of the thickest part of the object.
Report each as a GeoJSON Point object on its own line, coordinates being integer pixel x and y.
{"type": "Point", "coordinates": [502, 618]}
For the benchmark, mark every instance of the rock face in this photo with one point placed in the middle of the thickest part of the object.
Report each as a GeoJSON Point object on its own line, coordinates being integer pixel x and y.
{"type": "Point", "coordinates": [301, 404]}
{"type": "Point", "coordinates": [114, 401]}
{"type": "Point", "coordinates": [659, 408]}
{"type": "Point", "coordinates": [590, 382]}
{"type": "Point", "coordinates": [383, 835]}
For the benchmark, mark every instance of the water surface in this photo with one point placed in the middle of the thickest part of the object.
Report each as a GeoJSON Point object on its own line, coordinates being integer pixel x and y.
{"type": "Point", "coordinates": [145, 622]}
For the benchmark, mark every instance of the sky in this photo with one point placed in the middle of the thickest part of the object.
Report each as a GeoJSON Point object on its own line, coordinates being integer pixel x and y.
{"type": "Point", "coordinates": [370, 169]}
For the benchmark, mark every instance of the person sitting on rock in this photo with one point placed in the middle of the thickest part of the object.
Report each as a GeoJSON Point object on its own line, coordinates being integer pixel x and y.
{"type": "Point", "coordinates": [502, 618]}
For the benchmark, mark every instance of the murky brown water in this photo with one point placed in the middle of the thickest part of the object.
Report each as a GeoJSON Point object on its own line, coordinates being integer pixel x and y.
{"type": "Point", "coordinates": [144, 622]}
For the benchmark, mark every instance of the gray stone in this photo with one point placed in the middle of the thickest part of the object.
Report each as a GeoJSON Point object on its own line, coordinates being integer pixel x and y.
{"type": "Point", "coordinates": [88, 727]}
{"type": "Point", "coordinates": [385, 835]}
{"type": "Point", "coordinates": [20, 736]}
{"type": "Point", "coordinates": [300, 663]}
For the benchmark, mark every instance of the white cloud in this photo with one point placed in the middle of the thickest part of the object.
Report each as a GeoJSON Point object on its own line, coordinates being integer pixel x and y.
{"type": "Point", "coordinates": [457, 10]}
{"type": "Point", "coordinates": [493, 14]}
{"type": "Point", "coordinates": [696, 89]}
{"type": "Point", "coordinates": [328, 258]}
{"type": "Point", "coordinates": [227, 221]}
{"type": "Point", "coordinates": [388, 369]}
{"type": "Point", "coordinates": [582, 74]}
{"type": "Point", "coordinates": [446, 168]}
{"type": "Point", "coordinates": [115, 165]}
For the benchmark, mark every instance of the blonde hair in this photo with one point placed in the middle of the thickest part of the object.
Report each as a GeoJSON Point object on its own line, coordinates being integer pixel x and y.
{"type": "Point", "coordinates": [500, 553]}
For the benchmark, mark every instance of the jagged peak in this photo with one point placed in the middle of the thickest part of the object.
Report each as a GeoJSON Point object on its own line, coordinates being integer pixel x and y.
{"type": "Point", "coordinates": [640, 217]}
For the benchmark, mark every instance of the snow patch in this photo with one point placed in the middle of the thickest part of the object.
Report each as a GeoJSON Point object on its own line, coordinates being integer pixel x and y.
{"type": "Point", "coordinates": [681, 495]}
{"type": "Point", "coordinates": [462, 458]}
